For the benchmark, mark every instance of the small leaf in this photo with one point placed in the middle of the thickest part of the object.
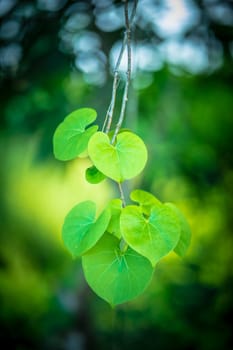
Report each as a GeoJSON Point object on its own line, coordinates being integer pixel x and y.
{"type": "Point", "coordinates": [121, 161]}
{"type": "Point", "coordinates": [153, 237]}
{"type": "Point", "coordinates": [145, 199]}
{"type": "Point", "coordinates": [81, 230]}
{"type": "Point", "coordinates": [185, 236]}
{"type": "Point", "coordinates": [115, 276]}
{"type": "Point", "coordinates": [94, 176]}
{"type": "Point", "coordinates": [71, 136]}
{"type": "Point", "coordinates": [115, 207]}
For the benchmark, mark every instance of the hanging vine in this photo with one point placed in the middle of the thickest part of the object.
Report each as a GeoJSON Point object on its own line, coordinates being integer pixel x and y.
{"type": "Point", "coordinates": [121, 247]}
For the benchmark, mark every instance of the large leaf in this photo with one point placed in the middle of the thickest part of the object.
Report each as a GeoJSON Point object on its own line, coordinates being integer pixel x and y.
{"type": "Point", "coordinates": [94, 176]}
{"type": "Point", "coordinates": [145, 199]}
{"type": "Point", "coordinates": [72, 135]}
{"type": "Point", "coordinates": [152, 237]}
{"type": "Point", "coordinates": [115, 207]}
{"type": "Point", "coordinates": [115, 276]}
{"type": "Point", "coordinates": [185, 236]}
{"type": "Point", "coordinates": [121, 161]}
{"type": "Point", "coordinates": [81, 230]}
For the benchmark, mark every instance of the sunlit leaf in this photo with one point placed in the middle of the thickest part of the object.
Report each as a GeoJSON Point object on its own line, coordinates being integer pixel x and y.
{"type": "Point", "coordinates": [185, 236]}
{"type": "Point", "coordinates": [145, 199]}
{"type": "Point", "coordinates": [123, 160]}
{"type": "Point", "coordinates": [153, 237]}
{"type": "Point", "coordinates": [112, 132]}
{"type": "Point", "coordinates": [72, 135]}
{"type": "Point", "coordinates": [115, 276]}
{"type": "Point", "coordinates": [115, 207]}
{"type": "Point", "coordinates": [94, 176]}
{"type": "Point", "coordinates": [81, 230]}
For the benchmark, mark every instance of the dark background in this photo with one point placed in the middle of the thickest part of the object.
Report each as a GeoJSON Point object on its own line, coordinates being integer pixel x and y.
{"type": "Point", "coordinates": [56, 56]}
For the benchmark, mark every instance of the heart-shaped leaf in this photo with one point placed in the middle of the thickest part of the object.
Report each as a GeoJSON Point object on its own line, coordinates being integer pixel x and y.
{"type": "Point", "coordinates": [115, 207]}
{"type": "Point", "coordinates": [145, 199]}
{"type": "Point", "coordinates": [112, 132]}
{"type": "Point", "coordinates": [152, 237]}
{"type": "Point", "coordinates": [81, 230]}
{"type": "Point", "coordinates": [121, 161]}
{"type": "Point", "coordinates": [185, 236]}
{"type": "Point", "coordinates": [94, 176]}
{"type": "Point", "coordinates": [115, 276]}
{"type": "Point", "coordinates": [72, 135]}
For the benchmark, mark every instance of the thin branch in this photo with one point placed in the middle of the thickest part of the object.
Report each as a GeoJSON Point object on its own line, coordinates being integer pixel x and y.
{"type": "Point", "coordinates": [122, 195]}
{"type": "Point", "coordinates": [128, 73]}
{"type": "Point", "coordinates": [113, 101]}
{"type": "Point", "coordinates": [109, 115]}
{"type": "Point", "coordinates": [110, 111]}
{"type": "Point", "coordinates": [123, 244]}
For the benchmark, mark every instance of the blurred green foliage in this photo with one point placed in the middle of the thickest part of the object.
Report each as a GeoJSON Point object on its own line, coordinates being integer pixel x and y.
{"type": "Point", "coordinates": [188, 133]}
{"type": "Point", "coordinates": [186, 122]}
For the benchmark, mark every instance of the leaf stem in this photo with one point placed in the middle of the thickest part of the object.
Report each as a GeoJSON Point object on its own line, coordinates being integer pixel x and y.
{"type": "Point", "coordinates": [122, 195]}
{"type": "Point", "coordinates": [110, 112]}
{"type": "Point", "coordinates": [123, 245]}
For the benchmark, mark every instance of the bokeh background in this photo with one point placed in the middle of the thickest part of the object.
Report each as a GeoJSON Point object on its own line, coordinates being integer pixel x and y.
{"type": "Point", "coordinates": [57, 56]}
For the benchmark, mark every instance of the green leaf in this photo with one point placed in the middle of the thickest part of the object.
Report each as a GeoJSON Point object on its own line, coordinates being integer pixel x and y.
{"type": "Point", "coordinates": [115, 276]}
{"type": "Point", "coordinates": [71, 136]}
{"type": "Point", "coordinates": [185, 236]}
{"type": "Point", "coordinates": [121, 161]}
{"type": "Point", "coordinates": [81, 230]}
{"type": "Point", "coordinates": [112, 132]}
{"type": "Point", "coordinates": [153, 237]}
{"type": "Point", "coordinates": [115, 207]}
{"type": "Point", "coordinates": [145, 199]}
{"type": "Point", "coordinates": [94, 176]}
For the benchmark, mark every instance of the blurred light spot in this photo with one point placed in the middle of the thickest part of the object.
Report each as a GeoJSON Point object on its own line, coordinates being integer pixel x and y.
{"type": "Point", "coordinates": [215, 54]}
{"type": "Point", "coordinates": [146, 13]}
{"type": "Point", "coordinates": [190, 55]}
{"type": "Point", "coordinates": [77, 7]}
{"type": "Point", "coordinates": [178, 16]}
{"type": "Point", "coordinates": [25, 10]}
{"type": "Point", "coordinates": [51, 5]}
{"type": "Point", "coordinates": [147, 57]}
{"type": "Point", "coordinates": [6, 6]}
{"type": "Point", "coordinates": [173, 18]}
{"type": "Point", "coordinates": [97, 78]}
{"type": "Point", "coordinates": [142, 80]}
{"type": "Point", "coordinates": [221, 13]}
{"type": "Point", "coordinates": [87, 63]}
{"type": "Point", "coordinates": [90, 60]}
{"type": "Point", "coordinates": [110, 19]}
{"type": "Point", "coordinates": [144, 57]}
{"type": "Point", "coordinates": [9, 29]}
{"type": "Point", "coordinates": [193, 55]}
{"type": "Point", "coordinates": [92, 66]}
{"type": "Point", "coordinates": [10, 56]}
{"type": "Point", "coordinates": [77, 21]}
{"type": "Point", "coordinates": [65, 44]}
{"type": "Point", "coordinates": [101, 3]}
{"type": "Point", "coordinates": [86, 41]}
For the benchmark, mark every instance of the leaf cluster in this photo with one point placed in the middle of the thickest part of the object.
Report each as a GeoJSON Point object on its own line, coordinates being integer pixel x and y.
{"type": "Point", "coordinates": [121, 247]}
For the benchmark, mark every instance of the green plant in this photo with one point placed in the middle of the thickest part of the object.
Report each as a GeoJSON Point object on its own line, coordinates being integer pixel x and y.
{"type": "Point", "coordinates": [120, 247]}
